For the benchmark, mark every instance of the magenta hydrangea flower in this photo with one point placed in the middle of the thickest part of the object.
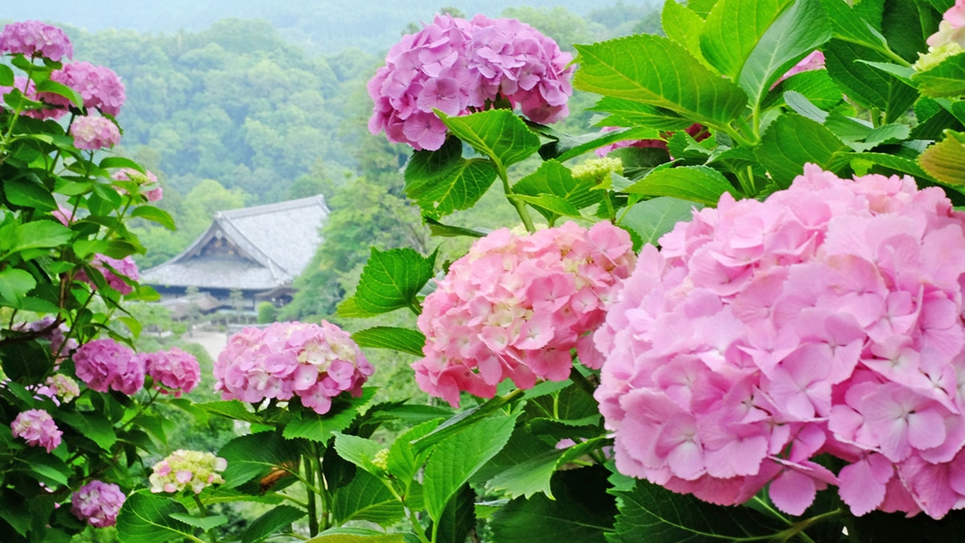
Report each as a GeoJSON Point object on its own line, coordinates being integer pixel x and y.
{"type": "Point", "coordinates": [37, 428]}
{"type": "Point", "coordinates": [315, 363]}
{"type": "Point", "coordinates": [94, 133]}
{"type": "Point", "coordinates": [100, 87]}
{"type": "Point", "coordinates": [34, 38]}
{"type": "Point", "coordinates": [153, 193]}
{"type": "Point", "coordinates": [97, 503]}
{"type": "Point", "coordinates": [105, 364]}
{"type": "Point", "coordinates": [516, 305]}
{"type": "Point", "coordinates": [826, 319]}
{"type": "Point", "coordinates": [110, 268]}
{"type": "Point", "coordinates": [175, 369]}
{"type": "Point", "coordinates": [458, 66]}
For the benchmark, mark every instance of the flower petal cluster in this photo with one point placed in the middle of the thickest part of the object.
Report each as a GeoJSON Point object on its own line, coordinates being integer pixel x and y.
{"type": "Point", "coordinates": [61, 387]}
{"type": "Point", "coordinates": [187, 469]}
{"type": "Point", "coordinates": [288, 359]}
{"type": "Point", "coordinates": [948, 41]}
{"type": "Point", "coordinates": [97, 503]}
{"type": "Point", "coordinates": [37, 428]}
{"type": "Point", "coordinates": [105, 364]}
{"type": "Point", "coordinates": [31, 38]}
{"type": "Point", "coordinates": [458, 66]}
{"type": "Point", "coordinates": [100, 87]}
{"type": "Point", "coordinates": [154, 191]}
{"type": "Point", "coordinates": [826, 319]}
{"type": "Point", "coordinates": [696, 131]}
{"type": "Point", "coordinates": [110, 268]}
{"type": "Point", "coordinates": [177, 371]}
{"type": "Point", "coordinates": [92, 133]}
{"type": "Point", "coordinates": [516, 305]}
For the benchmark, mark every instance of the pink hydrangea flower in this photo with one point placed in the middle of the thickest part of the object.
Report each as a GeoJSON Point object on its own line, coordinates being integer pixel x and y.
{"type": "Point", "coordinates": [60, 387]}
{"type": "Point", "coordinates": [153, 194]}
{"type": "Point", "coordinates": [826, 319]}
{"type": "Point", "coordinates": [37, 428]}
{"type": "Point", "coordinates": [31, 38]}
{"type": "Point", "coordinates": [110, 268]}
{"type": "Point", "coordinates": [97, 503]}
{"type": "Point", "coordinates": [952, 27]}
{"type": "Point", "coordinates": [516, 305]}
{"type": "Point", "coordinates": [94, 133]}
{"type": "Point", "coordinates": [458, 66]}
{"type": "Point", "coordinates": [175, 369]}
{"type": "Point", "coordinates": [187, 469]}
{"type": "Point", "coordinates": [100, 87]}
{"type": "Point", "coordinates": [814, 61]}
{"type": "Point", "coordinates": [29, 90]}
{"type": "Point", "coordinates": [696, 131]}
{"type": "Point", "coordinates": [105, 364]}
{"type": "Point", "coordinates": [315, 363]}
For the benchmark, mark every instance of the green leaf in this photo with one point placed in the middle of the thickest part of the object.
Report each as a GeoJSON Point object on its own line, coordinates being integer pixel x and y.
{"type": "Point", "coordinates": [232, 409]}
{"type": "Point", "coordinates": [392, 279]}
{"type": "Point", "coordinates": [496, 133]}
{"type": "Point", "coordinates": [684, 26]}
{"type": "Point", "coordinates": [25, 193]}
{"type": "Point", "coordinates": [651, 219]}
{"type": "Point", "coordinates": [310, 425]}
{"type": "Point", "coordinates": [458, 457]}
{"type": "Point", "coordinates": [442, 181]}
{"type": "Point", "coordinates": [92, 425]}
{"type": "Point", "coordinates": [659, 72]}
{"type": "Point", "coordinates": [349, 308]}
{"type": "Point", "coordinates": [14, 286]}
{"type": "Point", "coordinates": [631, 113]}
{"type": "Point", "coordinates": [205, 523]}
{"type": "Point", "coordinates": [404, 461]}
{"type": "Point", "coordinates": [791, 141]}
{"type": "Point", "coordinates": [850, 26]}
{"type": "Point", "coordinates": [653, 514]}
{"type": "Point", "coordinates": [386, 337]}
{"type": "Point", "coordinates": [945, 160]}
{"type": "Point", "coordinates": [41, 235]}
{"type": "Point", "coordinates": [45, 467]}
{"type": "Point", "coordinates": [257, 455]}
{"type": "Point", "coordinates": [815, 85]}
{"type": "Point", "coordinates": [895, 162]}
{"type": "Point", "coordinates": [458, 519]}
{"type": "Point", "coordinates": [156, 215]}
{"type": "Point", "coordinates": [357, 536]}
{"type": "Point", "coordinates": [552, 178]}
{"type": "Point", "coordinates": [120, 162]}
{"type": "Point", "coordinates": [54, 87]}
{"type": "Point", "coordinates": [24, 361]}
{"type": "Point", "coordinates": [366, 498]}
{"type": "Point", "coordinates": [946, 79]}
{"type": "Point", "coordinates": [700, 184]}
{"type": "Point", "coordinates": [146, 518]}
{"type": "Point", "coordinates": [734, 28]}
{"type": "Point", "coordinates": [581, 512]}
{"type": "Point", "coordinates": [359, 451]}
{"type": "Point", "coordinates": [902, 73]}
{"type": "Point", "coordinates": [275, 519]}
{"type": "Point", "coordinates": [534, 475]}
{"type": "Point", "coordinates": [459, 423]}
{"type": "Point", "coordinates": [550, 205]}
{"type": "Point", "coordinates": [6, 76]}
{"type": "Point", "coordinates": [795, 33]}
{"type": "Point", "coordinates": [869, 87]}
{"type": "Point", "coordinates": [436, 228]}
{"type": "Point", "coordinates": [565, 147]}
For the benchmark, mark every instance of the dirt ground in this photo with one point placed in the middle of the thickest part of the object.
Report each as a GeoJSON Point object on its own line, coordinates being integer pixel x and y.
{"type": "Point", "coordinates": [212, 342]}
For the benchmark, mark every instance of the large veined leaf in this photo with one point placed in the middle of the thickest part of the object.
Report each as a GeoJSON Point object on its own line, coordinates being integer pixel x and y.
{"type": "Point", "coordinates": [310, 425]}
{"type": "Point", "coordinates": [945, 160]}
{"type": "Point", "coordinates": [851, 26]}
{"type": "Point", "coordinates": [535, 475]}
{"type": "Point", "coordinates": [682, 25]}
{"type": "Point", "coordinates": [403, 461]}
{"type": "Point", "coordinates": [566, 147]}
{"type": "Point", "coordinates": [700, 184]}
{"type": "Point", "coordinates": [946, 79]}
{"type": "Point", "coordinates": [458, 519]}
{"type": "Point", "coordinates": [391, 279]}
{"type": "Point", "coordinates": [359, 451]}
{"type": "Point", "coordinates": [275, 519]}
{"type": "Point", "coordinates": [815, 85]}
{"type": "Point", "coordinates": [496, 133]}
{"type": "Point", "coordinates": [146, 518]}
{"type": "Point", "coordinates": [386, 337]}
{"type": "Point", "coordinates": [864, 84]}
{"type": "Point", "coordinates": [734, 28]}
{"type": "Point", "coordinates": [26, 193]}
{"type": "Point", "coordinates": [366, 498]}
{"type": "Point", "coordinates": [555, 179]}
{"type": "Point", "coordinates": [792, 141]}
{"type": "Point", "coordinates": [660, 72]}
{"type": "Point", "coordinates": [651, 219]}
{"type": "Point", "coordinates": [442, 181]}
{"type": "Point", "coordinates": [623, 112]}
{"type": "Point", "coordinates": [255, 455]}
{"type": "Point", "coordinates": [357, 535]}
{"type": "Point", "coordinates": [14, 286]}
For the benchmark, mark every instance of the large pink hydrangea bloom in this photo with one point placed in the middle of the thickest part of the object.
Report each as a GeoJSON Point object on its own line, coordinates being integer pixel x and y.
{"type": "Point", "coordinates": [92, 133]}
{"type": "Point", "coordinates": [100, 87]}
{"type": "Point", "coordinates": [457, 66]}
{"type": "Point", "coordinates": [97, 503]}
{"type": "Point", "coordinates": [516, 305]}
{"type": "Point", "coordinates": [105, 364]}
{"type": "Point", "coordinates": [174, 371]}
{"type": "Point", "coordinates": [288, 359]}
{"type": "Point", "coordinates": [31, 38]}
{"type": "Point", "coordinates": [37, 428]}
{"type": "Point", "coordinates": [826, 319]}
{"type": "Point", "coordinates": [107, 266]}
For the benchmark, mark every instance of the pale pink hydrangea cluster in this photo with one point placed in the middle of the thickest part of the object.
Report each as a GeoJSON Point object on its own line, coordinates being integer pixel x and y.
{"type": "Point", "coordinates": [31, 38]}
{"type": "Point", "coordinates": [105, 364]}
{"type": "Point", "coordinates": [97, 503]}
{"type": "Point", "coordinates": [187, 469]}
{"type": "Point", "coordinates": [826, 319]}
{"type": "Point", "coordinates": [59, 387]}
{"type": "Point", "coordinates": [288, 359]}
{"type": "Point", "coordinates": [696, 131]}
{"type": "Point", "coordinates": [516, 305]}
{"type": "Point", "coordinates": [154, 191]}
{"type": "Point", "coordinates": [37, 428]}
{"type": "Point", "coordinates": [458, 66]}
{"type": "Point", "coordinates": [100, 87]}
{"type": "Point", "coordinates": [92, 133]}
{"type": "Point", "coordinates": [110, 268]}
{"type": "Point", "coordinates": [174, 371]}
{"type": "Point", "coordinates": [951, 28]}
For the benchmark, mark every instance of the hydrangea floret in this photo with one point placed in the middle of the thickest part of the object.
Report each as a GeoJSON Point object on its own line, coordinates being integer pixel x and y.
{"type": "Point", "coordinates": [149, 181]}
{"type": "Point", "coordinates": [37, 428]}
{"type": "Point", "coordinates": [826, 319]}
{"type": "Point", "coordinates": [97, 503]}
{"type": "Point", "coordinates": [100, 87]}
{"type": "Point", "coordinates": [516, 305]}
{"type": "Point", "coordinates": [187, 469]}
{"type": "Point", "coordinates": [60, 387]}
{"type": "Point", "coordinates": [310, 361]}
{"type": "Point", "coordinates": [110, 268]}
{"type": "Point", "coordinates": [104, 364]}
{"type": "Point", "coordinates": [948, 41]}
{"type": "Point", "coordinates": [35, 38]}
{"type": "Point", "coordinates": [458, 66]}
{"type": "Point", "coordinates": [92, 133]}
{"type": "Point", "coordinates": [174, 371]}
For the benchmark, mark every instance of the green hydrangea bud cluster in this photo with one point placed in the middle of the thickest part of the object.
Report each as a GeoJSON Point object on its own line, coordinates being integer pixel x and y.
{"type": "Point", "coordinates": [597, 170]}
{"type": "Point", "coordinates": [183, 469]}
{"type": "Point", "coordinates": [381, 460]}
{"type": "Point", "coordinates": [936, 55]}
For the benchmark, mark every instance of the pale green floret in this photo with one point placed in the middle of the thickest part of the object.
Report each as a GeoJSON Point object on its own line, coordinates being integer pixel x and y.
{"type": "Point", "coordinates": [597, 170]}
{"type": "Point", "coordinates": [381, 460]}
{"type": "Point", "coordinates": [937, 55]}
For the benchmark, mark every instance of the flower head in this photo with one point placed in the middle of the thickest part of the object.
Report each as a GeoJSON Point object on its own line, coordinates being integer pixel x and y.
{"type": "Point", "coordinates": [37, 428]}
{"type": "Point", "coordinates": [147, 179]}
{"type": "Point", "coordinates": [34, 38]}
{"type": "Point", "coordinates": [61, 387]}
{"type": "Point", "coordinates": [97, 503]}
{"type": "Point", "coordinates": [187, 469]}
{"type": "Point", "coordinates": [948, 41]}
{"type": "Point", "coordinates": [94, 133]}
{"type": "Point", "coordinates": [99, 86]}
{"type": "Point", "coordinates": [105, 364]}
{"type": "Point", "coordinates": [113, 269]}
{"type": "Point", "coordinates": [174, 370]}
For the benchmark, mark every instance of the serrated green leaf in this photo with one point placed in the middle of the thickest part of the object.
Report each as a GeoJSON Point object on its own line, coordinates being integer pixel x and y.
{"type": "Point", "coordinates": [903, 73]}
{"type": "Point", "coordinates": [44, 466]}
{"type": "Point", "coordinates": [25, 193]}
{"type": "Point", "coordinates": [257, 455]}
{"type": "Point", "coordinates": [946, 79]}
{"type": "Point", "coordinates": [14, 286]}
{"type": "Point", "coordinates": [803, 107]}
{"type": "Point", "coordinates": [459, 423]}
{"type": "Point", "coordinates": [404, 461]}
{"type": "Point", "coordinates": [349, 308]}
{"type": "Point", "coordinates": [684, 26]}
{"type": "Point", "coordinates": [458, 519]}
{"type": "Point", "coordinates": [233, 409]}
{"type": "Point", "coordinates": [496, 133]}
{"type": "Point", "coordinates": [343, 535]}
{"type": "Point", "coordinates": [659, 72]}
{"type": "Point", "coordinates": [630, 113]}
{"type": "Point", "coordinates": [734, 28]}
{"type": "Point", "coordinates": [146, 518]}
{"type": "Point", "coordinates": [792, 141]}
{"type": "Point", "coordinates": [566, 147]}
{"type": "Point", "coordinates": [850, 26]}
{"type": "Point", "coordinates": [894, 162]}
{"type": "Point", "coordinates": [6, 76]}
{"type": "Point", "coordinates": [442, 181]}
{"type": "Point", "coordinates": [535, 474]}
{"type": "Point", "coordinates": [310, 425]}
{"type": "Point", "coordinates": [869, 87]}
{"type": "Point", "coordinates": [358, 450]}
{"type": "Point", "coordinates": [458, 457]}
{"type": "Point", "coordinates": [391, 279]}
{"type": "Point", "coordinates": [156, 215]}
{"type": "Point", "coordinates": [41, 235]}
{"type": "Point", "coordinates": [120, 162]}
{"type": "Point", "coordinates": [651, 219]}
{"type": "Point", "coordinates": [945, 160]}
{"type": "Point", "coordinates": [700, 184]}
{"type": "Point", "coordinates": [449, 231]}
{"type": "Point", "coordinates": [555, 179]}
{"type": "Point", "coordinates": [385, 337]}
{"type": "Point", "coordinates": [92, 425]}
{"type": "Point", "coordinates": [267, 524]}
{"type": "Point", "coordinates": [550, 205]}
{"type": "Point", "coordinates": [59, 89]}
{"type": "Point", "coordinates": [205, 523]}
{"type": "Point", "coordinates": [366, 498]}
{"type": "Point", "coordinates": [815, 85]}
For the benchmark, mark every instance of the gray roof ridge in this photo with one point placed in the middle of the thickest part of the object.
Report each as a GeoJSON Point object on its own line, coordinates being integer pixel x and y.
{"type": "Point", "coordinates": [253, 249]}
{"type": "Point", "coordinates": [317, 200]}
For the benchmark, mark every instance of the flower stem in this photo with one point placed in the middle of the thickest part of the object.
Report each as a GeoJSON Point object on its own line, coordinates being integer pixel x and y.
{"type": "Point", "coordinates": [312, 516]}
{"type": "Point", "coordinates": [204, 513]}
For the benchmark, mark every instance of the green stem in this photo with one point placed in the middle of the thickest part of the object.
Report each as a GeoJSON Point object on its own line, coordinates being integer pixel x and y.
{"type": "Point", "coordinates": [312, 516]}
{"type": "Point", "coordinates": [798, 528]}
{"type": "Point", "coordinates": [520, 206]}
{"type": "Point", "coordinates": [204, 513]}
{"type": "Point", "coordinates": [323, 496]}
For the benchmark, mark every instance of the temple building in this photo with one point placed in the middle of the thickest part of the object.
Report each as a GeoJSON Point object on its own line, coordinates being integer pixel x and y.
{"type": "Point", "coordinates": [258, 251]}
